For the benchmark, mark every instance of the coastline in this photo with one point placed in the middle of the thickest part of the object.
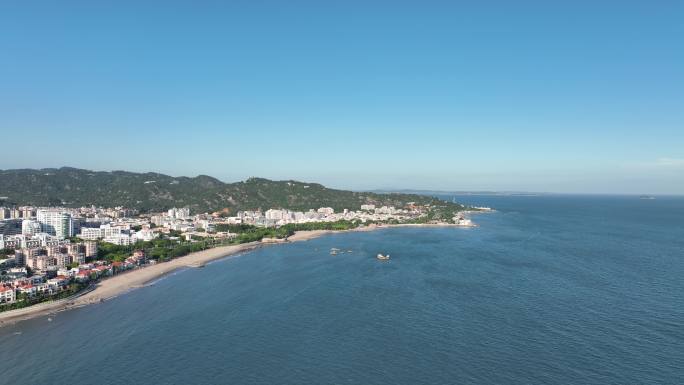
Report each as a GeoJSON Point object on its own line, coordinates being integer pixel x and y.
{"type": "Point", "coordinates": [119, 284]}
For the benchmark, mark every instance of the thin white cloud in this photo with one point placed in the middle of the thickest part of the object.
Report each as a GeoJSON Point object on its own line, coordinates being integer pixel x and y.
{"type": "Point", "coordinates": [670, 162]}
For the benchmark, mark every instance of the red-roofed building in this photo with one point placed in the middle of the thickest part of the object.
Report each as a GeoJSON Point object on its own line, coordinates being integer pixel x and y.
{"type": "Point", "coordinates": [27, 289]}
{"type": "Point", "coordinates": [102, 270]}
{"type": "Point", "coordinates": [83, 276]}
{"type": "Point", "coordinates": [7, 295]}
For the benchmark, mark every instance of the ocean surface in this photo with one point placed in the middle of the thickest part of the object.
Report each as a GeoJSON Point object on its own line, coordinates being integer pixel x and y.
{"type": "Point", "coordinates": [548, 290]}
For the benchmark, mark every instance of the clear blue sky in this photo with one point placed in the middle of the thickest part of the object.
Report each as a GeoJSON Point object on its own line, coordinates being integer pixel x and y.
{"type": "Point", "coordinates": [510, 95]}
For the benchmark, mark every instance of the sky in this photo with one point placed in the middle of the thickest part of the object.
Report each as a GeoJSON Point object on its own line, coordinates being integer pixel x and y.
{"type": "Point", "coordinates": [578, 97]}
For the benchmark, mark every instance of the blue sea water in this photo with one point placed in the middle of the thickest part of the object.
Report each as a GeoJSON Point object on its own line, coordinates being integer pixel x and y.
{"type": "Point", "coordinates": [548, 290]}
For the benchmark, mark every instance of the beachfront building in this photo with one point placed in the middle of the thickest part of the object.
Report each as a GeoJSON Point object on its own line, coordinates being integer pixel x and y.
{"type": "Point", "coordinates": [32, 289]}
{"type": "Point", "coordinates": [138, 257]}
{"type": "Point", "coordinates": [7, 295]}
{"type": "Point", "coordinates": [58, 283]}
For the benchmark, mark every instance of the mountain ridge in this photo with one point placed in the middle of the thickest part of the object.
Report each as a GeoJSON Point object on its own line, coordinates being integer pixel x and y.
{"type": "Point", "coordinates": [150, 191]}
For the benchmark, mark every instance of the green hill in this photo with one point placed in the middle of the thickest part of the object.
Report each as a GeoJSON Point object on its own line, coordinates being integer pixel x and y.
{"type": "Point", "coordinates": [73, 187]}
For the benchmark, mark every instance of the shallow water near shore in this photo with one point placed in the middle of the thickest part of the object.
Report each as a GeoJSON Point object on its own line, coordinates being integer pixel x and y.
{"type": "Point", "coordinates": [549, 289]}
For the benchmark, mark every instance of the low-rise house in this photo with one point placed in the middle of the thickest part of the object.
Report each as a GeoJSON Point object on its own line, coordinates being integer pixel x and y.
{"type": "Point", "coordinates": [37, 279]}
{"type": "Point", "coordinates": [18, 271]}
{"type": "Point", "coordinates": [7, 295]}
{"type": "Point", "coordinates": [82, 276]}
{"type": "Point", "coordinates": [21, 281]}
{"type": "Point", "coordinates": [139, 257]}
{"type": "Point", "coordinates": [43, 288]}
{"type": "Point", "coordinates": [38, 289]}
{"type": "Point", "coordinates": [59, 283]}
{"type": "Point", "coordinates": [86, 266]}
{"type": "Point", "coordinates": [118, 266]}
{"type": "Point", "coordinates": [27, 289]}
{"type": "Point", "coordinates": [102, 270]}
{"type": "Point", "coordinates": [66, 272]}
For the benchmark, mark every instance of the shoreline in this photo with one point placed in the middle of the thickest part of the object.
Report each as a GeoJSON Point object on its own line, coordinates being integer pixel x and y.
{"type": "Point", "coordinates": [122, 283]}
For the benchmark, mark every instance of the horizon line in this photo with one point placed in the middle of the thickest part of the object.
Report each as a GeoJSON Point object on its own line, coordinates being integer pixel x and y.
{"type": "Point", "coordinates": [419, 191]}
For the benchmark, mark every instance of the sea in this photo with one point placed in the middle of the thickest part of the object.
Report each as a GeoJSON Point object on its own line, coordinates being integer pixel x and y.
{"type": "Point", "coordinates": [548, 289]}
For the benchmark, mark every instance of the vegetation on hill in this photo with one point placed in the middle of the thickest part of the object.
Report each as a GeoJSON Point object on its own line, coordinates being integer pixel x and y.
{"type": "Point", "coordinates": [73, 187]}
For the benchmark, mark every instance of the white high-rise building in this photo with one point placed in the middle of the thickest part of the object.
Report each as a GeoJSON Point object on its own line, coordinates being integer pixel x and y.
{"type": "Point", "coordinates": [30, 227]}
{"type": "Point", "coordinates": [183, 213]}
{"type": "Point", "coordinates": [56, 222]}
{"type": "Point", "coordinates": [175, 213]}
{"type": "Point", "coordinates": [274, 214]}
{"type": "Point", "coordinates": [326, 210]}
{"type": "Point", "coordinates": [91, 233]}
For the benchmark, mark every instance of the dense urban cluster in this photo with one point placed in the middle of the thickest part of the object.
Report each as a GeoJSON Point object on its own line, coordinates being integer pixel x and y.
{"type": "Point", "coordinates": [48, 252]}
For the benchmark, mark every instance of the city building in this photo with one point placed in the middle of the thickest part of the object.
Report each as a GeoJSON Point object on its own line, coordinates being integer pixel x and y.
{"type": "Point", "coordinates": [326, 211]}
{"type": "Point", "coordinates": [91, 233]}
{"type": "Point", "coordinates": [7, 295]}
{"type": "Point", "coordinates": [90, 249]}
{"type": "Point", "coordinates": [10, 226]}
{"type": "Point", "coordinates": [56, 222]}
{"type": "Point", "coordinates": [30, 227]}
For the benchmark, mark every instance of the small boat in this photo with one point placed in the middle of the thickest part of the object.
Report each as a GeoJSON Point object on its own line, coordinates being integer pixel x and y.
{"type": "Point", "coordinates": [383, 257]}
{"type": "Point", "coordinates": [334, 251]}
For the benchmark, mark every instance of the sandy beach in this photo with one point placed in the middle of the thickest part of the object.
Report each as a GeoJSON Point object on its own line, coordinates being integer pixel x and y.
{"type": "Point", "coordinates": [121, 283]}
{"type": "Point", "coordinates": [311, 234]}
